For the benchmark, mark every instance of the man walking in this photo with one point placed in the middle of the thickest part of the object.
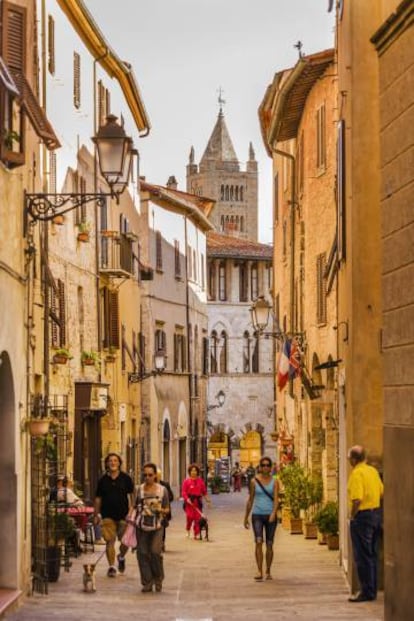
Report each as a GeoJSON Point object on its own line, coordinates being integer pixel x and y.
{"type": "Point", "coordinates": [365, 490]}
{"type": "Point", "coordinates": [112, 502]}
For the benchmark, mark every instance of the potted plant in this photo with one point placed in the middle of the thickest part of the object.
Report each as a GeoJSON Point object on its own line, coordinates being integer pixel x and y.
{"type": "Point", "coordinates": [110, 356]}
{"type": "Point", "coordinates": [39, 421]}
{"type": "Point", "coordinates": [61, 530]}
{"type": "Point", "coordinates": [314, 492]}
{"type": "Point", "coordinates": [61, 356]}
{"type": "Point", "coordinates": [215, 484]}
{"type": "Point", "coordinates": [293, 478]}
{"type": "Point", "coordinates": [59, 219]}
{"type": "Point", "coordinates": [9, 137]}
{"type": "Point", "coordinates": [83, 231]}
{"type": "Point", "coordinates": [90, 358]}
{"type": "Point", "coordinates": [328, 524]}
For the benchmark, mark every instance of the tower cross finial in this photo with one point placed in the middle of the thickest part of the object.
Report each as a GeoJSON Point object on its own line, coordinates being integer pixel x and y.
{"type": "Point", "coordinates": [220, 99]}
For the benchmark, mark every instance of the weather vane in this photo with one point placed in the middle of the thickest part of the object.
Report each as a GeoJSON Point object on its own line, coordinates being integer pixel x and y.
{"type": "Point", "coordinates": [220, 100]}
{"type": "Point", "coordinates": [299, 46]}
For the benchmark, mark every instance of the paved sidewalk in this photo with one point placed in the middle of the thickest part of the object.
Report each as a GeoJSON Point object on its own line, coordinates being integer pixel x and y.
{"type": "Point", "coordinates": [211, 581]}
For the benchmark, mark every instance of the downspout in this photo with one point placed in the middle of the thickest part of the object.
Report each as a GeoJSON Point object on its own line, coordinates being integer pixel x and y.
{"type": "Point", "coordinates": [95, 189]}
{"type": "Point", "coordinates": [187, 319]}
{"type": "Point", "coordinates": [43, 226]}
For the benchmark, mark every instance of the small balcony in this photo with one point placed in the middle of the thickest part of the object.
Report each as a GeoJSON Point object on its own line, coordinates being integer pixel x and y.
{"type": "Point", "coordinates": [116, 256]}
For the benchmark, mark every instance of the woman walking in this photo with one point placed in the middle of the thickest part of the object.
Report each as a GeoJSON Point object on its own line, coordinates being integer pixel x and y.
{"type": "Point", "coordinates": [153, 504]}
{"type": "Point", "coordinates": [193, 490]}
{"type": "Point", "coordinates": [263, 499]}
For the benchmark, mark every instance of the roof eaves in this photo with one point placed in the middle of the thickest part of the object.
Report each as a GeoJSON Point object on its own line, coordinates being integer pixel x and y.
{"type": "Point", "coordinates": [84, 24]}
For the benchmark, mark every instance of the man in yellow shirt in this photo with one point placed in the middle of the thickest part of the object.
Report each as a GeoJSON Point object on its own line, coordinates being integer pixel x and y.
{"type": "Point", "coordinates": [365, 490]}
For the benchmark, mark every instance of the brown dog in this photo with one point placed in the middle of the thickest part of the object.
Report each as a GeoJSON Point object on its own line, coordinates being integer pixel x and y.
{"type": "Point", "coordinates": [89, 583]}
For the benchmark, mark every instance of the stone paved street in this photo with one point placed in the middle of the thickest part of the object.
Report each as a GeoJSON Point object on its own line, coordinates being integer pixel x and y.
{"type": "Point", "coordinates": [211, 581]}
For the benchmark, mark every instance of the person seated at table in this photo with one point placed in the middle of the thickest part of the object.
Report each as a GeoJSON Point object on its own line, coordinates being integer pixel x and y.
{"type": "Point", "coordinates": [66, 494]}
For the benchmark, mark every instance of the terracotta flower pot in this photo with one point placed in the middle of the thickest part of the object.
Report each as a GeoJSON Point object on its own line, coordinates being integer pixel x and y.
{"type": "Point", "coordinates": [58, 220]}
{"type": "Point", "coordinates": [38, 426]}
{"type": "Point", "coordinates": [60, 359]}
{"type": "Point", "coordinates": [88, 362]}
{"type": "Point", "coordinates": [311, 530]}
{"type": "Point", "coordinates": [296, 526]}
{"type": "Point", "coordinates": [83, 237]}
{"type": "Point", "coordinates": [333, 542]}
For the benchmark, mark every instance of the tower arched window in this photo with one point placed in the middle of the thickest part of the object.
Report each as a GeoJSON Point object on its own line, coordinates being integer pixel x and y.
{"type": "Point", "coordinates": [246, 352]}
{"type": "Point", "coordinates": [241, 193]}
{"type": "Point", "coordinates": [222, 193]}
{"type": "Point", "coordinates": [227, 192]}
{"type": "Point", "coordinates": [213, 352]}
{"type": "Point", "coordinates": [231, 192]}
{"type": "Point", "coordinates": [222, 223]}
{"type": "Point", "coordinates": [237, 223]}
{"type": "Point", "coordinates": [236, 194]}
{"type": "Point", "coordinates": [242, 224]}
{"type": "Point", "coordinates": [223, 352]}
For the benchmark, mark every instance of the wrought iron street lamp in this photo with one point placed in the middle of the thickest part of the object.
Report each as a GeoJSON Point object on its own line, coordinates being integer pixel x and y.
{"type": "Point", "coordinates": [115, 154]}
{"type": "Point", "coordinates": [260, 312]}
{"type": "Point", "coordinates": [220, 398]}
{"type": "Point", "coordinates": [160, 361]}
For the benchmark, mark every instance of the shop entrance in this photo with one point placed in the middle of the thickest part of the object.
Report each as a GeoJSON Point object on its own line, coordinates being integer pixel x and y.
{"type": "Point", "coordinates": [250, 449]}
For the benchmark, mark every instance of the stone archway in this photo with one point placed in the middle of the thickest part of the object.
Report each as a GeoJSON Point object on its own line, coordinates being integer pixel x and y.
{"type": "Point", "coordinates": [8, 493]}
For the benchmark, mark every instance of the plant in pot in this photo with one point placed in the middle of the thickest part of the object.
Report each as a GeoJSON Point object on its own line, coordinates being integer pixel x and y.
{"type": "Point", "coordinates": [314, 492]}
{"type": "Point", "coordinates": [294, 479]}
{"type": "Point", "coordinates": [215, 484]}
{"type": "Point", "coordinates": [327, 521]}
{"type": "Point", "coordinates": [83, 231]}
{"type": "Point", "coordinates": [39, 421]}
{"type": "Point", "coordinates": [90, 358]}
{"type": "Point", "coordinates": [61, 532]}
{"type": "Point", "coordinates": [61, 356]}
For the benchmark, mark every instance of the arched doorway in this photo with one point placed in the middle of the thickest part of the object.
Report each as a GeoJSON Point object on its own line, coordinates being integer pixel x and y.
{"type": "Point", "coordinates": [250, 448]}
{"type": "Point", "coordinates": [8, 493]}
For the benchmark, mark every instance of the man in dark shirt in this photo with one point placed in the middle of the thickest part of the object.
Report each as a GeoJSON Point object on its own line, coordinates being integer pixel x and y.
{"type": "Point", "coordinates": [113, 500]}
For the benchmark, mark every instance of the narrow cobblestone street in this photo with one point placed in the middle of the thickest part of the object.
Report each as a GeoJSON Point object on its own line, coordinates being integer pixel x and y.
{"type": "Point", "coordinates": [211, 581]}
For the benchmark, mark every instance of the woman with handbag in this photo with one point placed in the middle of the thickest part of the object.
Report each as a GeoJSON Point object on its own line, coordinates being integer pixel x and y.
{"type": "Point", "coordinates": [263, 500]}
{"type": "Point", "coordinates": [153, 505]}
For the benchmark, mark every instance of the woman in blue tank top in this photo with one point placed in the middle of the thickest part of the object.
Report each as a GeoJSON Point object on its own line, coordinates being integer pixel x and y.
{"type": "Point", "coordinates": [263, 501]}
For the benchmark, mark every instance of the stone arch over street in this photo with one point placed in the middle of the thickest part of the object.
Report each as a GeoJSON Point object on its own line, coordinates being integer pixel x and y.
{"type": "Point", "coordinates": [8, 493]}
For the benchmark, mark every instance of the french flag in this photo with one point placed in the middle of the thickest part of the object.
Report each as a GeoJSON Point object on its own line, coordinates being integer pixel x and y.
{"type": "Point", "coordinates": [284, 365]}
{"type": "Point", "coordinates": [294, 360]}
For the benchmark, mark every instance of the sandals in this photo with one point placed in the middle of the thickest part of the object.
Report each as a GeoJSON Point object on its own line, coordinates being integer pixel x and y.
{"type": "Point", "coordinates": [258, 577]}
{"type": "Point", "coordinates": [269, 576]}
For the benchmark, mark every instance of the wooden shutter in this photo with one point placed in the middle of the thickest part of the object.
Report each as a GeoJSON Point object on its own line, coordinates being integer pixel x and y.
{"type": "Point", "coordinates": [62, 313]}
{"type": "Point", "coordinates": [175, 352]}
{"type": "Point", "coordinates": [13, 48]}
{"type": "Point", "coordinates": [51, 45]}
{"type": "Point", "coordinates": [321, 288]}
{"type": "Point", "coordinates": [53, 312]}
{"type": "Point", "coordinates": [340, 198]}
{"type": "Point", "coordinates": [183, 353]}
{"type": "Point", "coordinates": [158, 250]}
{"type": "Point", "coordinates": [113, 319]}
{"type": "Point", "coordinates": [76, 80]}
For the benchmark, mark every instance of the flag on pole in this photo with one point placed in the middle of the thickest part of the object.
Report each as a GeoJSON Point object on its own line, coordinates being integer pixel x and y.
{"type": "Point", "coordinates": [294, 359]}
{"type": "Point", "coordinates": [284, 365]}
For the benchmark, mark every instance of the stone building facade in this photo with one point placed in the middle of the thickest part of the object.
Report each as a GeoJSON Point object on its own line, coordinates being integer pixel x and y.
{"type": "Point", "coordinates": [393, 44]}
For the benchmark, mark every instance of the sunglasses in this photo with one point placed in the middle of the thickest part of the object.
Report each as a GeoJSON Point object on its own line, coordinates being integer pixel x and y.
{"type": "Point", "coordinates": [266, 465]}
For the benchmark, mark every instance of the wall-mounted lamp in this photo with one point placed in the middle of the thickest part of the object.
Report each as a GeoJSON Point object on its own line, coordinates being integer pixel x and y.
{"type": "Point", "coordinates": [160, 361]}
{"type": "Point", "coordinates": [346, 332]}
{"type": "Point", "coordinates": [115, 153]}
{"type": "Point", "coordinates": [260, 313]}
{"type": "Point", "coordinates": [220, 398]}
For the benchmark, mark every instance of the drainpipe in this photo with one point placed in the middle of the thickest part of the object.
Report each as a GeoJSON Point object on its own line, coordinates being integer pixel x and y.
{"type": "Point", "coordinates": [187, 319]}
{"type": "Point", "coordinates": [95, 189]}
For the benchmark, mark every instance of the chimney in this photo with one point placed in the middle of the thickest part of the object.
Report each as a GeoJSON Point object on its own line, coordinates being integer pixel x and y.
{"type": "Point", "coordinates": [172, 183]}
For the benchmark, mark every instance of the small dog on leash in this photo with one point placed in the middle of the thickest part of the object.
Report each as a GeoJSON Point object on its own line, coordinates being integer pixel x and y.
{"type": "Point", "coordinates": [89, 581]}
{"type": "Point", "coordinates": [203, 523]}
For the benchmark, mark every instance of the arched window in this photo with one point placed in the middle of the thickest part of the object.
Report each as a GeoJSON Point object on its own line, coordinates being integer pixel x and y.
{"type": "Point", "coordinates": [231, 192]}
{"type": "Point", "coordinates": [237, 223]}
{"type": "Point", "coordinates": [255, 356]}
{"type": "Point", "coordinates": [241, 193]}
{"type": "Point", "coordinates": [227, 192]}
{"type": "Point", "coordinates": [222, 282]}
{"type": "Point", "coordinates": [213, 352]}
{"type": "Point", "coordinates": [222, 193]}
{"type": "Point", "coordinates": [241, 224]}
{"type": "Point", "coordinates": [211, 277]}
{"type": "Point", "coordinates": [223, 352]}
{"type": "Point", "coordinates": [246, 352]}
{"type": "Point", "coordinates": [254, 282]}
{"type": "Point", "coordinates": [222, 223]}
{"type": "Point", "coordinates": [236, 195]}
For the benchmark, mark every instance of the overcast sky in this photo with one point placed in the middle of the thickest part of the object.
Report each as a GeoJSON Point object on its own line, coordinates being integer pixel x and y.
{"type": "Point", "coordinates": [182, 51]}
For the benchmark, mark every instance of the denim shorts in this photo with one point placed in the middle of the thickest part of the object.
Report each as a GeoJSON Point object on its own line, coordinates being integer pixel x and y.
{"type": "Point", "coordinates": [260, 522]}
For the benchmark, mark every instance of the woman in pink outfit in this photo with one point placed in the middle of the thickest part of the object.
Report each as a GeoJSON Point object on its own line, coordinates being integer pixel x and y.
{"type": "Point", "coordinates": [193, 490]}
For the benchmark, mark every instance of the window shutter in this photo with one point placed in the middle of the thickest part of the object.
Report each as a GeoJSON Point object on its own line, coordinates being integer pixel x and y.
{"type": "Point", "coordinates": [321, 288]}
{"type": "Point", "coordinates": [54, 331]}
{"type": "Point", "coordinates": [340, 198]}
{"type": "Point", "coordinates": [113, 319]}
{"type": "Point", "coordinates": [158, 250]}
{"type": "Point", "coordinates": [76, 80]}
{"type": "Point", "coordinates": [14, 36]}
{"type": "Point", "coordinates": [175, 352]}
{"type": "Point", "coordinates": [62, 313]}
{"type": "Point", "coordinates": [183, 353]}
{"type": "Point", "coordinates": [51, 44]}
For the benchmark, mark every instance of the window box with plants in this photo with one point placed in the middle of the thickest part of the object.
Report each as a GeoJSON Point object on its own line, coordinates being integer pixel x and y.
{"type": "Point", "coordinates": [61, 356]}
{"type": "Point", "coordinates": [328, 524]}
{"type": "Point", "coordinates": [90, 358]}
{"type": "Point", "coordinates": [84, 229]}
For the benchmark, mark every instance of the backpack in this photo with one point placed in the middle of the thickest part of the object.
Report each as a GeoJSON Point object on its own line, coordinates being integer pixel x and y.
{"type": "Point", "coordinates": [149, 518]}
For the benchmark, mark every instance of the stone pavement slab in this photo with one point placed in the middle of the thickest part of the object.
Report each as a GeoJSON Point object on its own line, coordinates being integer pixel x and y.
{"type": "Point", "coordinates": [211, 581]}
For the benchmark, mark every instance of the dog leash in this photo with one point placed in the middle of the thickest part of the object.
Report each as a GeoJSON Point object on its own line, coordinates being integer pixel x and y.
{"type": "Point", "coordinates": [99, 557]}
